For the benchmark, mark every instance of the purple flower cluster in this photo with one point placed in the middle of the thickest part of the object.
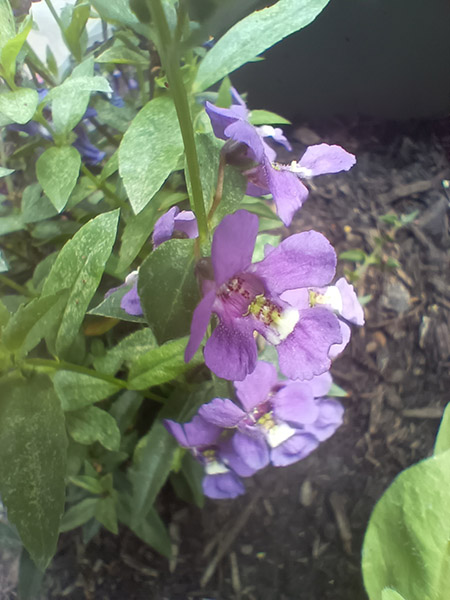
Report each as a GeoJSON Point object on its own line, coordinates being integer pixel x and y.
{"type": "Point", "coordinates": [276, 422]}
{"type": "Point", "coordinates": [268, 176]}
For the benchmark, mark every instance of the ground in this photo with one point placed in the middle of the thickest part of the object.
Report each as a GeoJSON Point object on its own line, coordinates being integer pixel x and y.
{"type": "Point", "coordinates": [297, 533]}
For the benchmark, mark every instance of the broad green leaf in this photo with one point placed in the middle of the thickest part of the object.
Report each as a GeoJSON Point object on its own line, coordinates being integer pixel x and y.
{"type": "Point", "coordinates": [390, 594]}
{"type": "Point", "coordinates": [4, 171]}
{"type": "Point", "coordinates": [79, 514]}
{"type": "Point", "coordinates": [32, 469]}
{"type": "Point", "coordinates": [7, 27]}
{"type": "Point", "coordinates": [77, 390]}
{"type": "Point", "coordinates": [126, 351]}
{"type": "Point", "coordinates": [73, 33]}
{"type": "Point", "coordinates": [29, 325]}
{"type": "Point", "coordinates": [30, 577]}
{"type": "Point", "coordinates": [35, 206]}
{"type": "Point", "coordinates": [254, 34]}
{"type": "Point", "coordinates": [208, 151]}
{"type": "Point", "coordinates": [442, 443]}
{"type": "Point", "coordinates": [266, 117]}
{"type": "Point", "coordinates": [138, 227]}
{"type": "Point", "coordinates": [57, 170]}
{"type": "Point", "coordinates": [234, 185]}
{"type": "Point", "coordinates": [407, 542]}
{"type": "Point", "coordinates": [121, 54]}
{"type": "Point", "coordinates": [153, 532]}
{"type": "Point", "coordinates": [125, 408]}
{"type": "Point", "coordinates": [71, 98]}
{"type": "Point", "coordinates": [79, 268]}
{"type": "Point", "coordinates": [158, 365]}
{"type": "Point", "coordinates": [170, 270]}
{"type": "Point", "coordinates": [150, 151]}
{"type": "Point", "coordinates": [152, 463]}
{"type": "Point", "coordinates": [91, 424]}
{"type": "Point", "coordinates": [110, 307]}
{"type": "Point", "coordinates": [10, 224]}
{"type": "Point", "coordinates": [12, 48]}
{"type": "Point", "coordinates": [262, 241]}
{"type": "Point", "coordinates": [116, 117]}
{"type": "Point", "coordinates": [18, 106]}
{"type": "Point", "coordinates": [117, 11]}
{"type": "Point", "coordinates": [355, 255]}
{"type": "Point", "coordinates": [105, 512]}
{"type": "Point", "coordinates": [85, 482]}
{"type": "Point", "coordinates": [188, 481]}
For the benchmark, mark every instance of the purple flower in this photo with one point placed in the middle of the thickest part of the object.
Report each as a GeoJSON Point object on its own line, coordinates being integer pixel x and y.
{"type": "Point", "coordinates": [340, 298]}
{"type": "Point", "coordinates": [280, 422]}
{"type": "Point", "coordinates": [130, 301]}
{"type": "Point", "coordinates": [268, 176]}
{"type": "Point", "coordinates": [202, 439]}
{"type": "Point", "coordinates": [247, 298]}
{"type": "Point", "coordinates": [90, 154]}
{"type": "Point", "coordinates": [174, 220]}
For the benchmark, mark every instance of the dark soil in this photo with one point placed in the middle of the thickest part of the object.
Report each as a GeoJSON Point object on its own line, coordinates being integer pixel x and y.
{"type": "Point", "coordinates": [297, 533]}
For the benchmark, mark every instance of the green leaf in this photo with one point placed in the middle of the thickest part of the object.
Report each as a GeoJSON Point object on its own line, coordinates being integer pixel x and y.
{"type": "Point", "coordinates": [4, 172]}
{"type": "Point", "coordinates": [442, 443]}
{"type": "Point", "coordinates": [153, 532]}
{"type": "Point", "coordinates": [9, 539]}
{"type": "Point", "coordinates": [91, 425]}
{"type": "Point", "coordinates": [70, 99]}
{"type": "Point", "coordinates": [170, 270]}
{"type": "Point", "coordinates": [188, 481]}
{"type": "Point", "coordinates": [18, 106]}
{"type": "Point", "coordinates": [57, 170]}
{"type": "Point", "coordinates": [406, 546]}
{"type": "Point", "coordinates": [90, 484]}
{"type": "Point", "coordinates": [234, 186]}
{"type": "Point", "coordinates": [12, 48]}
{"type": "Point", "coordinates": [266, 117]}
{"type": "Point", "coordinates": [30, 323]}
{"type": "Point", "coordinates": [336, 391]}
{"type": "Point", "coordinates": [105, 512]}
{"type": "Point", "coordinates": [77, 390]}
{"type": "Point", "coordinates": [110, 307]}
{"type": "Point", "coordinates": [355, 255]}
{"type": "Point", "coordinates": [73, 33]}
{"type": "Point", "coordinates": [126, 351]}
{"type": "Point", "coordinates": [390, 594]}
{"type": "Point", "coordinates": [7, 26]}
{"type": "Point", "coordinates": [208, 151]}
{"type": "Point", "coordinates": [79, 514]}
{"type": "Point", "coordinates": [35, 206]}
{"type": "Point", "coordinates": [30, 577]}
{"type": "Point", "coordinates": [152, 463]}
{"type": "Point", "coordinates": [117, 11]}
{"type": "Point", "coordinates": [121, 54]}
{"type": "Point", "coordinates": [158, 365]}
{"type": "Point", "coordinates": [150, 151]}
{"type": "Point", "coordinates": [11, 224]}
{"type": "Point", "coordinates": [261, 242]}
{"type": "Point", "coordinates": [254, 34]}
{"type": "Point", "coordinates": [32, 469]}
{"type": "Point", "coordinates": [79, 268]}
{"type": "Point", "coordinates": [125, 408]}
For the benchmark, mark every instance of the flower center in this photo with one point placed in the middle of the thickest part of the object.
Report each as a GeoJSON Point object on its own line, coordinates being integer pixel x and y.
{"type": "Point", "coordinates": [278, 322]}
{"type": "Point", "coordinates": [331, 297]}
{"type": "Point", "coordinates": [276, 433]}
{"type": "Point", "coordinates": [213, 465]}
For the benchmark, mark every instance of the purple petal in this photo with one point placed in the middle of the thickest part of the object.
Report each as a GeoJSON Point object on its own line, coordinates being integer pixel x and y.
{"type": "Point", "coordinates": [299, 299]}
{"type": "Point", "coordinates": [292, 450]}
{"type": "Point", "coordinates": [232, 459]}
{"type": "Point", "coordinates": [320, 384]}
{"type": "Point", "coordinates": [221, 412]}
{"type": "Point", "coordinates": [346, 333]}
{"type": "Point", "coordinates": [276, 133]}
{"type": "Point", "coordinates": [164, 226]}
{"type": "Point", "coordinates": [304, 353]}
{"type": "Point", "coordinates": [221, 118]}
{"type": "Point", "coordinates": [233, 243]}
{"type": "Point", "coordinates": [187, 223]}
{"type": "Point", "coordinates": [231, 352]}
{"type": "Point", "coordinates": [245, 133]}
{"type": "Point", "coordinates": [322, 158]}
{"type": "Point", "coordinates": [256, 387]}
{"type": "Point", "coordinates": [288, 192]}
{"type": "Point", "coordinates": [131, 303]}
{"type": "Point", "coordinates": [254, 451]}
{"type": "Point", "coordinates": [301, 260]}
{"type": "Point", "coordinates": [223, 485]}
{"type": "Point", "coordinates": [199, 324]}
{"type": "Point", "coordinates": [331, 413]}
{"type": "Point", "coordinates": [351, 308]}
{"type": "Point", "coordinates": [294, 404]}
{"type": "Point", "coordinates": [196, 433]}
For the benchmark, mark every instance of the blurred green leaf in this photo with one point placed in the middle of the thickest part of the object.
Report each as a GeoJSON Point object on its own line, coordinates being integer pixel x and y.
{"type": "Point", "coordinates": [127, 350]}
{"type": "Point", "coordinates": [153, 532]}
{"type": "Point", "coordinates": [105, 512]}
{"type": "Point", "coordinates": [121, 54]}
{"type": "Point", "coordinates": [85, 482]}
{"type": "Point", "coordinates": [208, 151]}
{"type": "Point", "coordinates": [77, 390]}
{"type": "Point", "coordinates": [390, 594]}
{"type": "Point", "coordinates": [30, 577]}
{"type": "Point", "coordinates": [355, 255]}
{"type": "Point", "coordinates": [35, 206]}
{"type": "Point", "coordinates": [159, 365]}
{"type": "Point", "coordinates": [253, 35]}
{"type": "Point", "coordinates": [3, 263]}
{"type": "Point", "coordinates": [442, 443]}
{"type": "Point", "coordinates": [117, 11]}
{"type": "Point", "coordinates": [150, 151]}
{"type": "Point", "coordinates": [10, 224]}
{"type": "Point", "coordinates": [11, 49]}
{"type": "Point", "coordinates": [266, 117]}
{"type": "Point", "coordinates": [57, 170]}
{"type": "Point", "coordinates": [32, 470]}
{"type": "Point", "coordinates": [91, 424]}
{"type": "Point", "coordinates": [79, 268]}
{"type": "Point", "coordinates": [234, 186]}
{"type": "Point", "coordinates": [7, 26]}
{"type": "Point", "coordinates": [4, 172]}
{"type": "Point", "coordinates": [79, 514]}
{"type": "Point", "coordinates": [110, 307]}
{"type": "Point", "coordinates": [336, 391]}
{"type": "Point", "coordinates": [73, 33]}
{"type": "Point", "coordinates": [170, 270]}
{"type": "Point", "coordinates": [18, 106]}
{"type": "Point", "coordinates": [406, 546]}
{"type": "Point", "coordinates": [262, 241]}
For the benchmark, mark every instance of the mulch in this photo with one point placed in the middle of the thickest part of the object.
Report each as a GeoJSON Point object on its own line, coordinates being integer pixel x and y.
{"type": "Point", "coordinates": [297, 533]}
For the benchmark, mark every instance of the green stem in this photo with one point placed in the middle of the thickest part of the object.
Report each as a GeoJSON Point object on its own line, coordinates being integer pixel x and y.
{"type": "Point", "coordinates": [55, 16]}
{"type": "Point", "coordinates": [16, 286]}
{"type": "Point", "coordinates": [169, 57]}
{"type": "Point", "coordinates": [62, 365]}
{"type": "Point", "coordinates": [102, 185]}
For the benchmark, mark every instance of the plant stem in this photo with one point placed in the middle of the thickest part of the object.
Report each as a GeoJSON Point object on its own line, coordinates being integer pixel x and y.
{"type": "Point", "coordinates": [62, 365]}
{"type": "Point", "coordinates": [168, 50]}
{"type": "Point", "coordinates": [15, 286]}
{"type": "Point", "coordinates": [102, 185]}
